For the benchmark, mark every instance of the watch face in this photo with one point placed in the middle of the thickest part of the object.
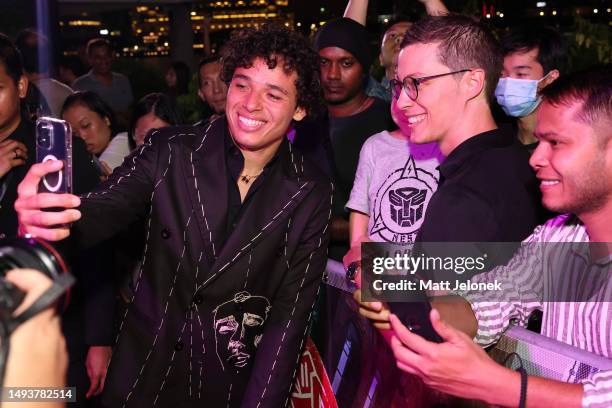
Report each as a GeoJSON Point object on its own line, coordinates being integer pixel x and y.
{"type": "Point", "coordinates": [351, 270]}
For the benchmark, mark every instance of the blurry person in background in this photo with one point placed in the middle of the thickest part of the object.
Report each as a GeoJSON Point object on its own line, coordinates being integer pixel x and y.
{"type": "Point", "coordinates": [212, 90]}
{"type": "Point", "coordinates": [30, 42]}
{"type": "Point", "coordinates": [13, 134]}
{"type": "Point", "coordinates": [153, 111]}
{"type": "Point", "coordinates": [70, 68]}
{"type": "Point", "coordinates": [112, 87]}
{"type": "Point", "coordinates": [390, 44]}
{"type": "Point", "coordinates": [389, 48]}
{"type": "Point", "coordinates": [534, 57]}
{"type": "Point", "coordinates": [177, 79]}
{"type": "Point", "coordinates": [352, 115]}
{"type": "Point", "coordinates": [93, 121]}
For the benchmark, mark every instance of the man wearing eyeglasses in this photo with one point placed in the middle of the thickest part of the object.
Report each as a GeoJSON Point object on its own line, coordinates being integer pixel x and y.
{"type": "Point", "coordinates": [570, 283]}
{"type": "Point", "coordinates": [449, 67]}
{"type": "Point", "coordinates": [487, 192]}
{"type": "Point", "coordinates": [447, 71]}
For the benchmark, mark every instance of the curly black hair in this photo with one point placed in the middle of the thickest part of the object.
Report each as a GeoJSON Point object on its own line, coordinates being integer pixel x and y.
{"type": "Point", "coordinates": [271, 42]}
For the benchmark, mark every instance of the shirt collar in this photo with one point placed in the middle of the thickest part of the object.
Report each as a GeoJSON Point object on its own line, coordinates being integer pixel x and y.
{"type": "Point", "coordinates": [235, 159]}
{"type": "Point", "coordinates": [466, 151]}
{"type": "Point", "coordinates": [93, 76]}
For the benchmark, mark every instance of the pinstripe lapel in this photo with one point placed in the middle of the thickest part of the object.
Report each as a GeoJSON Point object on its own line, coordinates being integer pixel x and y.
{"type": "Point", "coordinates": [275, 200]}
{"type": "Point", "coordinates": [206, 181]}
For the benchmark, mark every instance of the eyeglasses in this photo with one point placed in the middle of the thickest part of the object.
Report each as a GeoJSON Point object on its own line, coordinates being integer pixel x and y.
{"type": "Point", "coordinates": [411, 85]}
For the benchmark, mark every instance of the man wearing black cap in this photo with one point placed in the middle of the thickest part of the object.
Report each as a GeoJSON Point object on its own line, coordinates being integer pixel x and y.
{"type": "Point", "coordinates": [334, 141]}
{"type": "Point", "coordinates": [352, 115]}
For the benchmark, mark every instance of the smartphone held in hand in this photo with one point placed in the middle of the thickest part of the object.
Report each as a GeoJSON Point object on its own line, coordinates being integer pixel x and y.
{"type": "Point", "coordinates": [54, 142]}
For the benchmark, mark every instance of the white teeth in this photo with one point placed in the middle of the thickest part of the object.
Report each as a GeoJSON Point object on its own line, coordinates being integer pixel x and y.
{"type": "Point", "coordinates": [416, 119]}
{"type": "Point", "coordinates": [250, 122]}
{"type": "Point", "coordinates": [549, 182]}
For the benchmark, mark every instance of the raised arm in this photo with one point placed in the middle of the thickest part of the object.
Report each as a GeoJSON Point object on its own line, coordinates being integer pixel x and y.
{"type": "Point", "coordinates": [357, 10]}
{"type": "Point", "coordinates": [123, 198]}
{"type": "Point", "coordinates": [434, 7]}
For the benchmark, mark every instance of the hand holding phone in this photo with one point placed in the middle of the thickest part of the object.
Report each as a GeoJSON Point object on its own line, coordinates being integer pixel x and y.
{"type": "Point", "coordinates": [30, 205]}
{"type": "Point", "coordinates": [44, 205]}
{"type": "Point", "coordinates": [415, 316]}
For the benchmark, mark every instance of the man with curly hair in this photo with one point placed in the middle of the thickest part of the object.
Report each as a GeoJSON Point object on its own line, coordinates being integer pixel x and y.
{"type": "Point", "coordinates": [234, 213]}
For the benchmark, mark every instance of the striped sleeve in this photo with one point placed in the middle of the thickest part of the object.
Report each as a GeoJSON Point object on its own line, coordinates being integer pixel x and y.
{"type": "Point", "coordinates": [521, 294]}
{"type": "Point", "coordinates": [598, 391]}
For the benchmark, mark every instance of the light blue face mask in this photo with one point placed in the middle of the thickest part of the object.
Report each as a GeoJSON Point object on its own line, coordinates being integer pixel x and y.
{"type": "Point", "coordinates": [518, 97]}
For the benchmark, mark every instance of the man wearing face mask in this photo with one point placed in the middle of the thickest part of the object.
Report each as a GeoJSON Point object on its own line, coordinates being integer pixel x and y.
{"type": "Point", "coordinates": [533, 59]}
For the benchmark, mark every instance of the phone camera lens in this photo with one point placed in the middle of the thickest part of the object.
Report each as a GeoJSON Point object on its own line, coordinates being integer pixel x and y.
{"type": "Point", "coordinates": [43, 137]}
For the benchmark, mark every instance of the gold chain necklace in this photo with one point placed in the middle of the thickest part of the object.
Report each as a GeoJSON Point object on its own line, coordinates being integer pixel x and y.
{"type": "Point", "coordinates": [246, 179]}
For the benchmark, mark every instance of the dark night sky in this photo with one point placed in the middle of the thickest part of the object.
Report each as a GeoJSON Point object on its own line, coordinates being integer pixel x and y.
{"type": "Point", "coordinates": [16, 14]}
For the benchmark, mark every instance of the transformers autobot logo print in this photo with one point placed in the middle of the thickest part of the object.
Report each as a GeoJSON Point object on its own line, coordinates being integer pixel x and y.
{"type": "Point", "coordinates": [401, 203]}
{"type": "Point", "coordinates": [406, 205]}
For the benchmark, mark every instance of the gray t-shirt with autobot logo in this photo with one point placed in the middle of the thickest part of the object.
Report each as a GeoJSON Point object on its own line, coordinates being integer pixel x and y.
{"type": "Point", "coordinates": [394, 181]}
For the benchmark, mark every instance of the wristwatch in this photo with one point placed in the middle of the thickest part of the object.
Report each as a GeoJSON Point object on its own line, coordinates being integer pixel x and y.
{"type": "Point", "coordinates": [351, 271]}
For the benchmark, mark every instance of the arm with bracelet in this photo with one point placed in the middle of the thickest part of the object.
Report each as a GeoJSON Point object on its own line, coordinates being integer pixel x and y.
{"type": "Point", "coordinates": [469, 323]}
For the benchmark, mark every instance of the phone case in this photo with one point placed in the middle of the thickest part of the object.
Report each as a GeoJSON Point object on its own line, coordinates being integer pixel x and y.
{"type": "Point", "coordinates": [54, 142]}
{"type": "Point", "coordinates": [415, 316]}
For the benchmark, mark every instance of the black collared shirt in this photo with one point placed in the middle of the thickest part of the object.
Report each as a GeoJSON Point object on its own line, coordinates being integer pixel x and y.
{"type": "Point", "coordinates": [234, 161]}
{"type": "Point", "coordinates": [487, 193]}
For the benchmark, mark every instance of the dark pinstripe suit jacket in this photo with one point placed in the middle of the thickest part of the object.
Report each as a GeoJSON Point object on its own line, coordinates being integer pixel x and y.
{"type": "Point", "coordinates": [209, 325]}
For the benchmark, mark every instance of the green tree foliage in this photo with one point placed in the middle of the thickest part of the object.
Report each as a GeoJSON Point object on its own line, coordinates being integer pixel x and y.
{"type": "Point", "coordinates": [589, 44]}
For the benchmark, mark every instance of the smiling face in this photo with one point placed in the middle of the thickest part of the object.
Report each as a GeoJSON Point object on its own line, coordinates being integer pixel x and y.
{"type": "Point", "coordinates": [260, 105]}
{"type": "Point", "coordinates": [573, 165]}
{"type": "Point", "coordinates": [89, 126]}
{"type": "Point", "coordinates": [342, 75]}
{"type": "Point", "coordinates": [437, 109]}
{"type": "Point", "coordinates": [400, 117]}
